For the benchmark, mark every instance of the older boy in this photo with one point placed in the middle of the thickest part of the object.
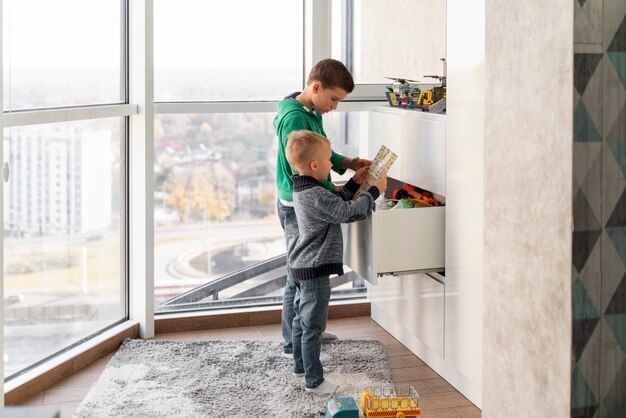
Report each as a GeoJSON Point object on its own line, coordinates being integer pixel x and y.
{"type": "Point", "coordinates": [329, 83]}
{"type": "Point", "coordinates": [318, 250]}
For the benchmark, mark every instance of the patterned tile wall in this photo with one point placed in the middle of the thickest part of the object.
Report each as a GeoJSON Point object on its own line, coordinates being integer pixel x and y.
{"type": "Point", "coordinates": [599, 239]}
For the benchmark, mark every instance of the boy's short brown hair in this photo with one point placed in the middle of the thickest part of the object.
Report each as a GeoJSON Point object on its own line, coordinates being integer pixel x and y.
{"type": "Point", "coordinates": [331, 73]}
{"type": "Point", "coordinates": [302, 147]}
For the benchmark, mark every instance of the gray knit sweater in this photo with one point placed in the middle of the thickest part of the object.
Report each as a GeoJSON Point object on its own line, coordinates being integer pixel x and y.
{"type": "Point", "coordinates": [319, 248]}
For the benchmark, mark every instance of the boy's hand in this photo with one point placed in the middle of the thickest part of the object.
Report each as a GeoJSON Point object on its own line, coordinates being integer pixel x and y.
{"type": "Point", "coordinates": [355, 163]}
{"type": "Point", "coordinates": [361, 173]}
{"type": "Point", "coordinates": [381, 184]}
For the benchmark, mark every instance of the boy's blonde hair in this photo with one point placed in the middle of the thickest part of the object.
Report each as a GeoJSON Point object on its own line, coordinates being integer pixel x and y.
{"type": "Point", "coordinates": [332, 74]}
{"type": "Point", "coordinates": [302, 148]}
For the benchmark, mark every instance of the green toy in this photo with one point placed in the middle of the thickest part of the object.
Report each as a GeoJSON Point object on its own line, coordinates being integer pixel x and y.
{"type": "Point", "coordinates": [342, 407]}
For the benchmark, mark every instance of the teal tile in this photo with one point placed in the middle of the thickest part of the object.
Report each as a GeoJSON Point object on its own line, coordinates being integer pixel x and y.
{"type": "Point", "coordinates": [618, 239]}
{"type": "Point", "coordinates": [582, 396]}
{"type": "Point", "coordinates": [618, 150]}
{"type": "Point", "coordinates": [617, 323]}
{"type": "Point", "coordinates": [583, 306]}
{"type": "Point", "coordinates": [584, 128]}
{"type": "Point", "coordinates": [618, 60]}
{"type": "Point", "coordinates": [617, 305]}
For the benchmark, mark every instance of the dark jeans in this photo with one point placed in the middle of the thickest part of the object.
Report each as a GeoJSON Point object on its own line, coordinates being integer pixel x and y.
{"type": "Point", "coordinates": [287, 216]}
{"type": "Point", "coordinates": [311, 307]}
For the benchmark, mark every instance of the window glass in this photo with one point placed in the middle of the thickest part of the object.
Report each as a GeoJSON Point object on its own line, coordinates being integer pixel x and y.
{"type": "Point", "coordinates": [394, 38]}
{"type": "Point", "coordinates": [214, 51]}
{"type": "Point", "coordinates": [346, 131]}
{"type": "Point", "coordinates": [218, 241]}
{"type": "Point", "coordinates": [61, 53]}
{"type": "Point", "coordinates": [63, 264]}
{"type": "Point", "coordinates": [215, 200]}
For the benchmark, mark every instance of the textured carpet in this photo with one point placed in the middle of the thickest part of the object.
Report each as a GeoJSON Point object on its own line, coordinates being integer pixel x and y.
{"type": "Point", "coordinates": [224, 379]}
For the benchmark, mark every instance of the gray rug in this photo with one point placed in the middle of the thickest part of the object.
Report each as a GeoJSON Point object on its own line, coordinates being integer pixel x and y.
{"type": "Point", "coordinates": [224, 379]}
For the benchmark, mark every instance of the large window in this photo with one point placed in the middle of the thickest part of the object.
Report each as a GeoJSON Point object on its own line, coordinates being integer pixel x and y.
{"type": "Point", "coordinates": [218, 241]}
{"type": "Point", "coordinates": [62, 236]}
{"type": "Point", "coordinates": [227, 50]}
{"type": "Point", "coordinates": [64, 201]}
{"type": "Point", "coordinates": [215, 200]}
{"type": "Point", "coordinates": [62, 53]}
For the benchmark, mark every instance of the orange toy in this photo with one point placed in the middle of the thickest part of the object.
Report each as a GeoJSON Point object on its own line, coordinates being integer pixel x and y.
{"type": "Point", "coordinates": [409, 191]}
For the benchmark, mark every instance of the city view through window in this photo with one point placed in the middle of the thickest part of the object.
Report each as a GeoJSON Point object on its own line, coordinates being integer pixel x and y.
{"type": "Point", "coordinates": [214, 193]}
{"type": "Point", "coordinates": [214, 211]}
{"type": "Point", "coordinates": [215, 203]}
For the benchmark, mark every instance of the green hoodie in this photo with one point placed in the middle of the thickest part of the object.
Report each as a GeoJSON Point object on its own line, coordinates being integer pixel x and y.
{"type": "Point", "coordinates": [293, 116]}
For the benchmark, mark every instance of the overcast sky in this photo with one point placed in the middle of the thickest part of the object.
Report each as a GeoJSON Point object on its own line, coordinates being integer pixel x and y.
{"type": "Point", "coordinates": [188, 33]}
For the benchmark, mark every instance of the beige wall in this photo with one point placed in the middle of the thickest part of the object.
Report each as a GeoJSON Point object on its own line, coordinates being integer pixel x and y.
{"type": "Point", "coordinates": [400, 38]}
{"type": "Point", "coordinates": [528, 208]}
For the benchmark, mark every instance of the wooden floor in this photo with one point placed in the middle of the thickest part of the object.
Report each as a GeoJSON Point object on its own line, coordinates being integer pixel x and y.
{"type": "Point", "coordinates": [437, 397]}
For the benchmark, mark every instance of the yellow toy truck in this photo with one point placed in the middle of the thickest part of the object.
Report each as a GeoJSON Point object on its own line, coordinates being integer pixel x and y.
{"type": "Point", "coordinates": [393, 402]}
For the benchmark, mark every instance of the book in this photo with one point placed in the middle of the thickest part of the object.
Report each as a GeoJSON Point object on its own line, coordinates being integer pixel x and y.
{"type": "Point", "coordinates": [380, 165]}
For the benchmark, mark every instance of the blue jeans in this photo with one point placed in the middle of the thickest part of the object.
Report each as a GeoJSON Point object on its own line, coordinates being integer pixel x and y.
{"type": "Point", "coordinates": [287, 217]}
{"type": "Point", "coordinates": [311, 308]}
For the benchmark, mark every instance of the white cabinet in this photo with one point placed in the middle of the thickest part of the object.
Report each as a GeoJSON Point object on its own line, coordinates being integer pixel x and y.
{"type": "Point", "coordinates": [393, 249]}
{"type": "Point", "coordinates": [405, 240]}
{"type": "Point", "coordinates": [438, 318]}
{"type": "Point", "coordinates": [418, 139]}
{"type": "Point", "coordinates": [417, 302]}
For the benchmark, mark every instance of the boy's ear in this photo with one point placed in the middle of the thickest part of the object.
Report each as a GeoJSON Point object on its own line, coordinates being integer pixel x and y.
{"type": "Point", "coordinates": [316, 86]}
{"type": "Point", "coordinates": [314, 165]}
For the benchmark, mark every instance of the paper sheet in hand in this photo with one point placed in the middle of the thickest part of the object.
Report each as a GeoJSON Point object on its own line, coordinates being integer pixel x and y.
{"type": "Point", "coordinates": [381, 164]}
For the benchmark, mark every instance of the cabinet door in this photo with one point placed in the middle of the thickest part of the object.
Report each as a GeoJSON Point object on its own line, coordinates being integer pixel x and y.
{"type": "Point", "coordinates": [419, 141]}
{"type": "Point", "coordinates": [416, 302]}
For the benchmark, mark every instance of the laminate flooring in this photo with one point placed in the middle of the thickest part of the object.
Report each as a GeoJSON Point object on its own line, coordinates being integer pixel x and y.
{"type": "Point", "coordinates": [437, 397]}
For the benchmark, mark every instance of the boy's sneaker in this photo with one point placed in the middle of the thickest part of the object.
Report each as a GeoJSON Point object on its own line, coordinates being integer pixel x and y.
{"type": "Point", "coordinates": [298, 373]}
{"type": "Point", "coordinates": [287, 355]}
{"type": "Point", "coordinates": [329, 336]}
{"type": "Point", "coordinates": [326, 387]}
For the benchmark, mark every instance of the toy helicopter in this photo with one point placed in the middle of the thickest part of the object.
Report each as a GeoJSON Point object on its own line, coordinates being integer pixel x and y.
{"type": "Point", "coordinates": [401, 93]}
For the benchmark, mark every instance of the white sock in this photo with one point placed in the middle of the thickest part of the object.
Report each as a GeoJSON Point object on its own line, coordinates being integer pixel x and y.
{"type": "Point", "coordinates": [329, 336]}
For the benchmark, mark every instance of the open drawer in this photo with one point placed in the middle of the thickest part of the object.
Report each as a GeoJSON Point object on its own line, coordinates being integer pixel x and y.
{"type": "Point", "coordinates": [396, 241]}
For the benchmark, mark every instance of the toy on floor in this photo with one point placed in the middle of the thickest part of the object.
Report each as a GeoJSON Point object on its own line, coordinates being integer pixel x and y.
{"type": "Point", "coordinates": [396, 402]}
{"type": "Point", "coordinates": [342, 407]}
{"type": "Point", "coordinates": [386, 401]}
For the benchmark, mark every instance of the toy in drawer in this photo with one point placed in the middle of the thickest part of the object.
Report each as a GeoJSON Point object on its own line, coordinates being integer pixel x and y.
{"type": "Point", "coordinates": [397, 240]}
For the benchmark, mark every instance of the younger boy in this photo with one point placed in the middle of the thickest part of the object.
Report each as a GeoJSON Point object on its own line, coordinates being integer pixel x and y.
{"type": "Point", "coordinates": [329, 83]}
{"type": "Point", "coordinates": [318, 251]}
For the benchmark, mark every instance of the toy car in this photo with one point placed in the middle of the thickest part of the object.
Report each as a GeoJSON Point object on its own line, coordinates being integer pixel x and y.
{"type": "Point", "coordinates": [395, 402]}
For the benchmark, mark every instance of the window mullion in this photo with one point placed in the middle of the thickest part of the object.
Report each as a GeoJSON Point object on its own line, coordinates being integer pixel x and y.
{"type": "Point", "coordinates": [317, 32]}
{"type": "Point", "coordinates": [141, 168]}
